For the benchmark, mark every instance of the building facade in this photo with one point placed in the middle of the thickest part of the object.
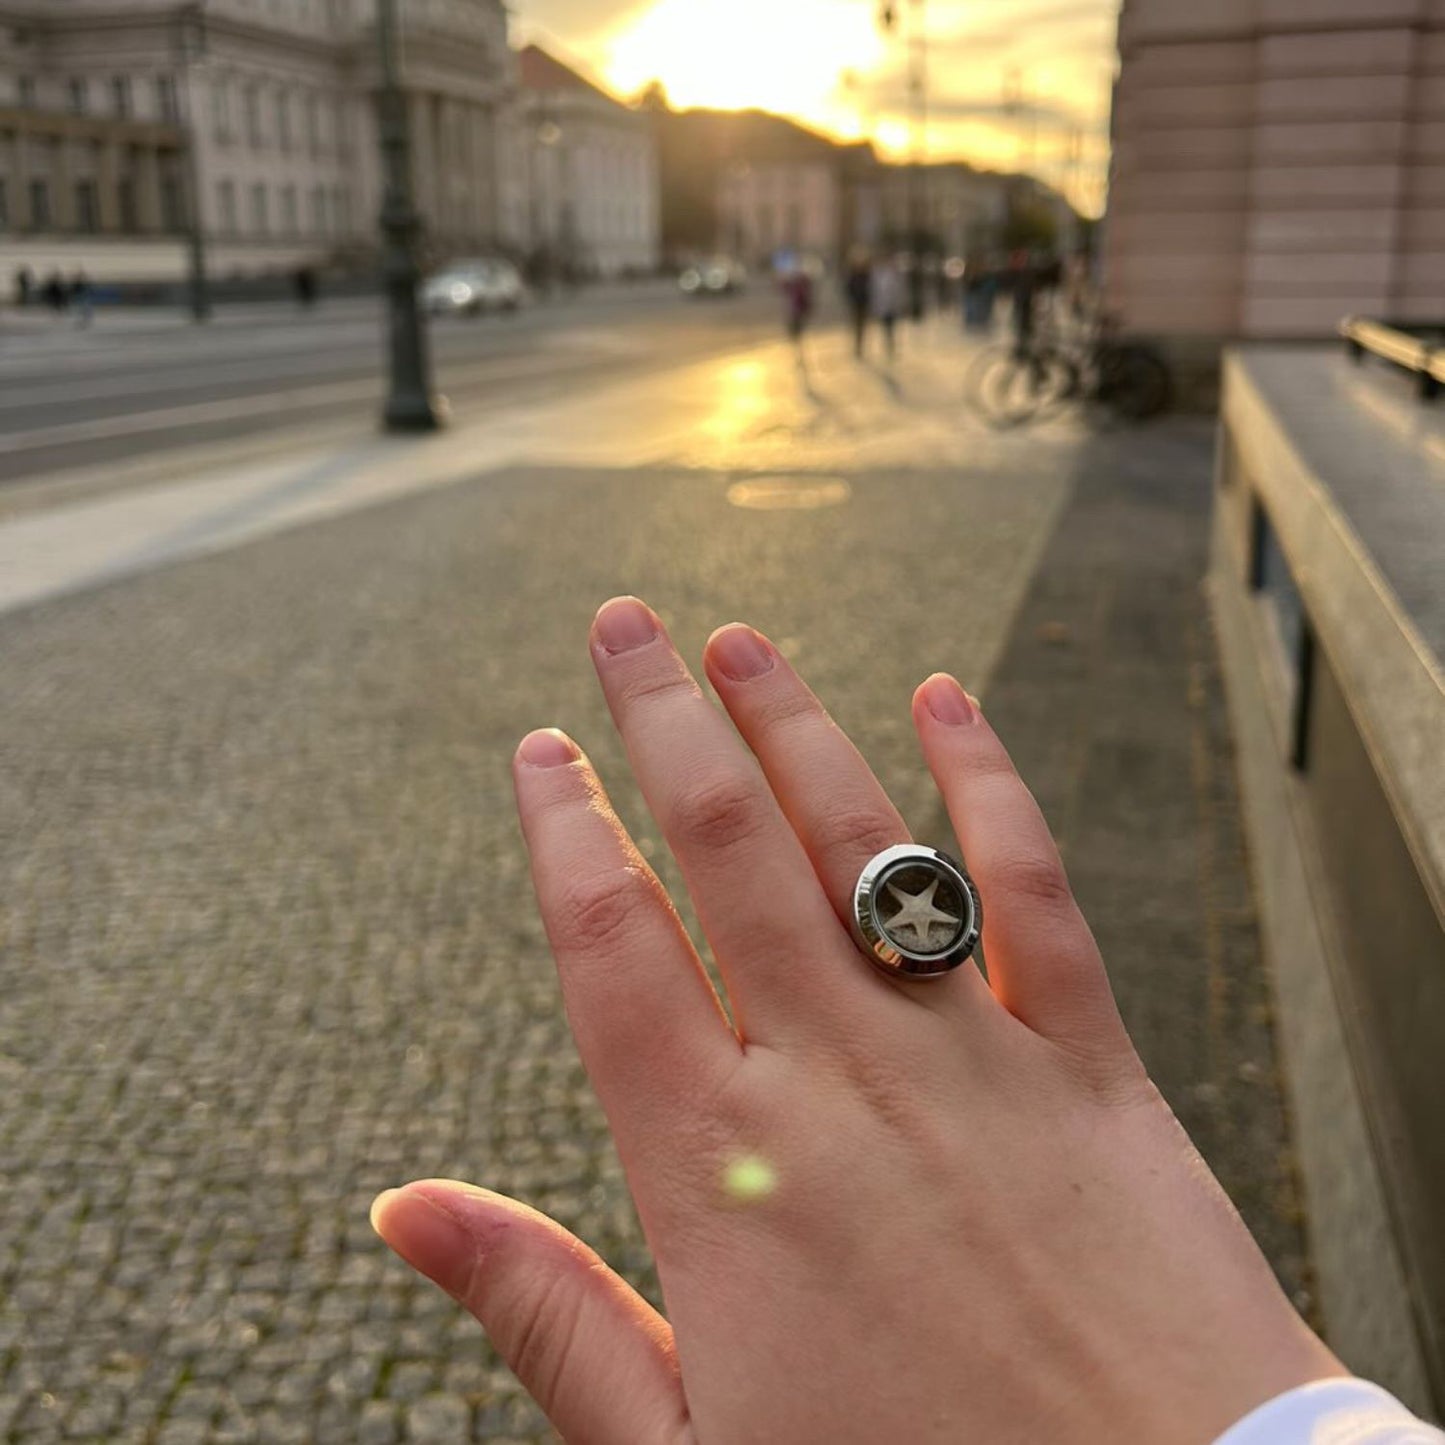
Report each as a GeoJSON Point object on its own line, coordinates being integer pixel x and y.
{"type": "Point", "coordinates": [768, 206]}
{"type": "Point", "coordinates": [958, 209]}
{"type": "Point", "coordinates": [112, 112]}
{"type": "Point", "coordinates": [1277, 165]}
{"type": "Point", "coordinates": [591, 174]}
{"type": "Point", "coordinates": [752, 185]}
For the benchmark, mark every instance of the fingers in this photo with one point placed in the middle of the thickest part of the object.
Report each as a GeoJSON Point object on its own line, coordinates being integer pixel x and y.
{"type": "Point", "coordinates": [1043, 964]}
{"type": "Point", "coordinates": [592, 1353]}
{"type": "Point", "coordinates": [829, 794]}
{"type": "Point", "coordinates": [836, 806]}
{"type": "Point", "coordinates": [647, 1023]}
{"type": "Point", "coordinates": [778, 943]}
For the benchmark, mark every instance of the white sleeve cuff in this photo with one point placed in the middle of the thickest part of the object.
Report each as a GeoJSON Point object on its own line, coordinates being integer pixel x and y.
{"type": "Point", "coordinates": [1332, 1412]}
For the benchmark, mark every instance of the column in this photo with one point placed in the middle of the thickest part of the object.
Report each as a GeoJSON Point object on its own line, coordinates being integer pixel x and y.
{"type": "Point", "coordinates": [62, 188]}
{"type": "Point", "coordinates": [483, 205]}
{"type": "Point", "coordinates": [21, 219]}
{"type": "Point", "coordinates": [148, 189]}
{"type": "Point", "coordinates": [107, 184]}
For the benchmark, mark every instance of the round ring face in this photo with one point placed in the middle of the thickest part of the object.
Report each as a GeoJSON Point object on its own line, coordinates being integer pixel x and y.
{"type": "Point", "coordinates": [916, 912]}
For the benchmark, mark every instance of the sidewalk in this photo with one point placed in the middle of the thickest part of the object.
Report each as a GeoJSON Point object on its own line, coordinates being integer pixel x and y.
{"type": "Point", "coordinates": [256, 731]}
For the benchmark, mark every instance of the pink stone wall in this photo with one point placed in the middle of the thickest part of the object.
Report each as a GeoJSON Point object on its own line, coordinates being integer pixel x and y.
{"type": "Point", "coordinates": [1277, 164]}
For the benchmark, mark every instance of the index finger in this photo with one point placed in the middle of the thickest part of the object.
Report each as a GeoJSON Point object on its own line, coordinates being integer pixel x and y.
{"type": "Point", "coordinates": [648, 1025]}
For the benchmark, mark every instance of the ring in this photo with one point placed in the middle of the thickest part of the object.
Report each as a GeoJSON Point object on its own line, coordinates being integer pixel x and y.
{"type": "Point", "coordinates": [916, 913]}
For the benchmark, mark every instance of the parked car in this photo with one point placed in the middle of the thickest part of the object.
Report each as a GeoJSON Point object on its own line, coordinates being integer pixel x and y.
{"type": "Point", "coordinates": [717, 276]}
{"type": "Point", "coordinates": [469, 288]}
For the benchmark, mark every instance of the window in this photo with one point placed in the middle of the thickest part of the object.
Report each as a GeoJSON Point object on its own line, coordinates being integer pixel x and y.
{"type": "Point", "coordinates": [76, 97]}
{"type": "Point", "coordinates": [166, 106]}
{"type": "Point", "coordinates": [341, 211]}
{"type": "Point", "coordinates": [318, 210]}
{"type": "Point", "coordinates": [87, 211]}
{"type": "Point", "coordinates": [260, 217]}
{"type": "Point", "coordinates": [255, 133]}
{"type": "Point", "coordinates": [120, 95]}
{"type": "Point", "coordinates": [221, 109]}
{"type": "Point", "coordinates": [173, 209]}
{"type": "Point", "coordinates": [4, 205]}
{"type": "Point", "coordinates": [289, 222]}
{"type": "Point", "coordinates": [226, 206]}
{"type": "Point", "coordinates": [313, 123]}
{"type": "Point", "coordinates": [27, 92]}
{"type": "Point", "coordinates": [283, 119]}
{"type": "Point", "coordinates": [343, 140]}
{"type": "Point", "coordinates": [39, 205]}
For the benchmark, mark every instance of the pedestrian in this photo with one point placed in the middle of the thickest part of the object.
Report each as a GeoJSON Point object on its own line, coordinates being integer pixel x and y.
{"type": "Point", "coordinates": [857, 287]}
{"type": "Point", "coordinates": [304, 284]}
{"type": "Point", "coordinates": [885, 300]}
{"type": "Point", "coordinates": [24, 286]}
{"type": "Point", "coordinates": [980, 292]}
{"type": "Point", "coordinates": [82, 299]}
{"type": "Point", "coordinates": [797, 288]}
{"type": "Point", "coordinates": [1023, 288]}
{"type": "Point", "coordinates": [56, 292]}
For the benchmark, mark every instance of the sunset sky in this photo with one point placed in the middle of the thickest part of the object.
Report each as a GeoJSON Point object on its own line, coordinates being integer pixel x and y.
{"type": "Point", "coordinates": [829, 64]}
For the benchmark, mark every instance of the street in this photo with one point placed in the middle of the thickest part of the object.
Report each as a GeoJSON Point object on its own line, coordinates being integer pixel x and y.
{"type": "Point", "coordinates": [254, 740]}
{"type": "Point", "coordinates": [142, 381]}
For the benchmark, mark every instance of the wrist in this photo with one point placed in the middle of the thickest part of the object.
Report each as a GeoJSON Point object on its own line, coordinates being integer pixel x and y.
{"type": "Point", "coordinates": [1342, 1408]}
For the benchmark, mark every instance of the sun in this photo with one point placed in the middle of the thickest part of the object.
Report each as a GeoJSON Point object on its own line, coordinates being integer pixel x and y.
{"type": "Point", "coordinates": [781, 55]}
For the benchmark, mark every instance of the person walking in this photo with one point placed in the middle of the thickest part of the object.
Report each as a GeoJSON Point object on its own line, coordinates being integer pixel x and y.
{"type": "Point", "coordinates": [797, 288]}
{"type": "Point", "coordinates": [82, 299]}
{"type": "Point", "coordinates": [1024, 284]}
{"type": "Point", "coordinates": [56, 292]}
{"type": "Point", "coordinates": [858, 287]}
{"type": "Point", "coordinates": [886, 300]}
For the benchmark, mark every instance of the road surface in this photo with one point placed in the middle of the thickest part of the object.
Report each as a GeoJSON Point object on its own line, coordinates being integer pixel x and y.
{"type": "Point", "coordinates": [143, 382]}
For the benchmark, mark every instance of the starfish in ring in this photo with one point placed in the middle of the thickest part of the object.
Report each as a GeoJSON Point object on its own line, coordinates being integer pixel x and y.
{"type": "Point", "coordinates": [917, 911]}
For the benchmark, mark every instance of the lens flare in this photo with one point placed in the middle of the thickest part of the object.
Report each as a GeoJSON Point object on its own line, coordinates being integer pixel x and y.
{"type": "Point", "coordinates": [749, 1179]}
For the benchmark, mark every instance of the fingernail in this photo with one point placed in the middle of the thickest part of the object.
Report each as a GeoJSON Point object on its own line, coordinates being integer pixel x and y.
{"type": "Point", "coordinates": [947, 701]}
{"type": "Point", "coordinates": [378, 1204]}
{"type": "Point", "coordinates": [547, 748]}
{"type": "Point", "coordinates": [426, 1237]}
{"type": "Point", "coordinates": [740, 652]}
{"type": "Point", "coordinates": [625, 623]}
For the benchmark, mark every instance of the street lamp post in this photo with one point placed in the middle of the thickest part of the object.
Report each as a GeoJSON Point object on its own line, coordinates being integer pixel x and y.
{"type": "Point", "coordinates": [917, 37]}
{"type": "Point", "coordinates": [193, 45]}
{"type": "Point", "coordinates": [918, 96]}
{"type": "Point", "coordinates": [409, 403]}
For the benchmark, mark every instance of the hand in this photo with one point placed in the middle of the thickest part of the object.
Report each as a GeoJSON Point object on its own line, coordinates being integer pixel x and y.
{"type": "Point", "coordinates": [880, 1211]}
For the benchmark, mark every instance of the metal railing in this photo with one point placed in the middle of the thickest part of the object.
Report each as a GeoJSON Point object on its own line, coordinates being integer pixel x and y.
{"type": "Point", "coordinates": [1423, 356]}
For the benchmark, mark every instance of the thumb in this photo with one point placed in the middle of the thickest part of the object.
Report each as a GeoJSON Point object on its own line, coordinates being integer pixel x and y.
{"type": "Point", "coordinates": [593, 1354]}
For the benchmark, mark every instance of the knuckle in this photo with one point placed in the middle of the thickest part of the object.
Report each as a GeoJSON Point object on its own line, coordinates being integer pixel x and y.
{"type": "Point", "coordinates": [791, 707]}
{"type": "Point", "coordinates": [1033, 878]}
{"type": "Point", "coordinates": [541, 1344]}
{"type": "Point", "coordinates": [860, 831]}
{"type": "Point", "coordinates": [655, 683]}
{"type": "Point", "coordinates": [598, 913]}
{"type": "Point", "coordinates": [720, 814]}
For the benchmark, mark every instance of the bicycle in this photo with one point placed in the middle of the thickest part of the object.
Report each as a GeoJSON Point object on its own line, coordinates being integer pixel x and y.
{"type": "Point", "coordinates": [1112, 379]}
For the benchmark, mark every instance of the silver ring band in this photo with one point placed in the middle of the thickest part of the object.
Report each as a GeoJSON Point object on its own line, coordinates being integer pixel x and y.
{"type": "Point", "coordinates": [916, 912]}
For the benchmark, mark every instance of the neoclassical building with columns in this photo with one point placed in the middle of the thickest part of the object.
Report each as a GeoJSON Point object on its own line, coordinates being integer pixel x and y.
{"type": "Point", "coordinates": [113, 112]}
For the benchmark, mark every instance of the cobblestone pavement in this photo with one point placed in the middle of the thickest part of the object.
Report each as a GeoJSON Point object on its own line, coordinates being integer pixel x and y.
{"type": "Point", "coordinates": [267, 947]}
